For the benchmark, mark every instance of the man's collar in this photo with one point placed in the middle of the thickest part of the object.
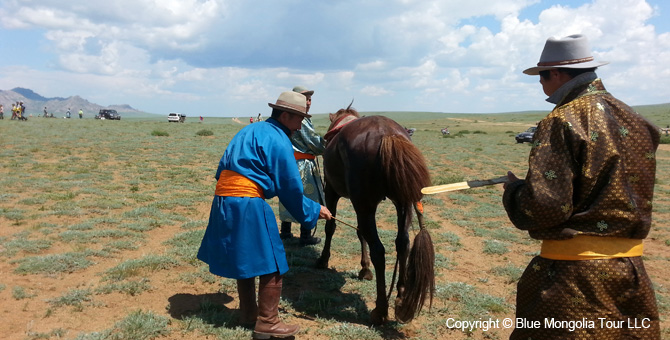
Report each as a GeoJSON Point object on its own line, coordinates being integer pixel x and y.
{"type": "Point", "coordinates": [566, 88]}
{"type": "Point", "coordinates": [279, 125]}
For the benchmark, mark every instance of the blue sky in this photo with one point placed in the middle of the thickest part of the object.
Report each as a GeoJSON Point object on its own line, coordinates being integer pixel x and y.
{"type": "Point", "coordinates": [232, 57]}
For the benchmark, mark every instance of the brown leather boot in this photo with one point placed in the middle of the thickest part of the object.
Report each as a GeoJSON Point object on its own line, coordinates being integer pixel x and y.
{"type": "Point", "coordinates": [246, 289]}
{"type": "Point", "coordinates": [268, 324]}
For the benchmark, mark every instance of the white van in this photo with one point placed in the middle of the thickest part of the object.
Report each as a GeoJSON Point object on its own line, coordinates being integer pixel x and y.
{"type": "Point", "coordinates": [176, 117]}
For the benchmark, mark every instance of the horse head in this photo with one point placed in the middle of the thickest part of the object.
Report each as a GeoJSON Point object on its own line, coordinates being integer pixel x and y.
{"type": "Point", "coordinates": [339, 119]}
{"type": "Point", "coordinates": [342, 113]}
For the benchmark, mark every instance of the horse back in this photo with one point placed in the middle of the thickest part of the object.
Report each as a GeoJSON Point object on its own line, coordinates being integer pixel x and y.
{"type": "Point", "coordinates": [374, 156]}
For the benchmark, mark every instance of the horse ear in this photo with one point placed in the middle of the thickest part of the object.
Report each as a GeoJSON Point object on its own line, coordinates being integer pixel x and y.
{"type": "Point", "coordinates": [330, 117]}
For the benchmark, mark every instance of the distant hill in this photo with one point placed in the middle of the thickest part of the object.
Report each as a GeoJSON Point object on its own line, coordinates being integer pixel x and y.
{"type": "Point", "coordinates": [29, 94]}
{"type": "Point", "coordinates": [35, 103]}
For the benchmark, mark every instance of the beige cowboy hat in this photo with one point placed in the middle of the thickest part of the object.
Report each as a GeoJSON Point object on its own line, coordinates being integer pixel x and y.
{"type": "Point", "coordinates": [303, 90]}
{"type": "Point", "coordinates": [292, 102]}
{"type": "Point", "coordinates": [569, 52]}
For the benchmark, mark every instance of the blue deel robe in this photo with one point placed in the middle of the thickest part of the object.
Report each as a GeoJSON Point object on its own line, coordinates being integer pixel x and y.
{"type": "Point", "coordinates": [242, 238]}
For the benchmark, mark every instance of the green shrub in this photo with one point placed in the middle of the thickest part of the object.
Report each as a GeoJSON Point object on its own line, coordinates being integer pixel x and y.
{"type": "Point", "coordinates": [495, 247]}
{"type": "Point", "coordinates": [52, 264]}
{"type": "Point", "coordinates": [159, 133]}
{"type": "Point", "coordinates": [130, 287]}
{"type": "Point", "coordinates": [76, 298]}
{"type": "Point", "coordinates": [19, 293]}
{"type": "Point", "coordinates": [135, 267]}
{"type": "Point", "coordinates": [204, 132]}
{"type": "Point", "coordinates": [510, 271]}
{"type": "Point", "coordinates": [138, 325]}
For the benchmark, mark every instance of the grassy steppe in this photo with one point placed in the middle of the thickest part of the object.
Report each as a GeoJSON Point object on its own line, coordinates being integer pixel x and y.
{"type": "Point", "coordinates": [100, 222]}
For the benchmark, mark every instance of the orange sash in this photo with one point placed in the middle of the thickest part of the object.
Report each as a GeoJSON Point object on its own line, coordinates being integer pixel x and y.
{"type": "Point", "coordinates": [299, 155]}
{"type": "Point", "coordinates": [584, 247]}
{"type": "Point", "coordinates": [235, 185]}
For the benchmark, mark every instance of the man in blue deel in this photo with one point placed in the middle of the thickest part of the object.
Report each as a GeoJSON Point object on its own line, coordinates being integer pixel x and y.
{"type": "Point", "coordinates": [242, 238]}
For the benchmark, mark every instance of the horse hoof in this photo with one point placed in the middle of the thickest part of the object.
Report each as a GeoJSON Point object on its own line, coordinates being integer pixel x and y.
{"type": "Point", "coordinates": [365, 274]}
{"type": "Point", "coordinates": [378, 318]}
{"type": "Point", "coordinates": [402, 313]}
{"type": "Point", "coordinates": [321, 263]}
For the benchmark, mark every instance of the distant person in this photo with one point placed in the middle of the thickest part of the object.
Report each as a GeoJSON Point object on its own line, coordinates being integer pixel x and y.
{"type": "Point", "coordinates": [307, 144]}
{"type": "Point", "coordinates": [251, 120]}
{"type": "Point", "coordinates": [45, 112]}
{"type": "Point", "coordinates": [242, 239]}
{"type": "Point", "coordinates": [588, 196]}
{"type": "Point", "coordinates": [81, 113]}
{"type": "Point", "coordinates": [258, 119]}
{"type": "Point", "coordinates": [2, 112]}
{"type": "Point", "coordinates": [14, 114]}
{"type": "Point", "coordinates": [67, 114]}
{"type": "Point", "coordinates": [200, 119]}
{"type": "Point", "coordinates": [22, 110]}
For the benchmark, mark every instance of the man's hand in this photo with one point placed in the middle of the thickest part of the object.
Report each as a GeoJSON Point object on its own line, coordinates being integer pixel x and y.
{"type": "Point", "coordinates": [511, 177]}
{"type": "Point", "coordinates": [325, 214]}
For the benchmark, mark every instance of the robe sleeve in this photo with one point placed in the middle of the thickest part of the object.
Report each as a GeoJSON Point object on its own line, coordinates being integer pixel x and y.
{"type": "Point", "coordinates": [544, 199]}
{"type": "Point", "coordinates": [286, 177]}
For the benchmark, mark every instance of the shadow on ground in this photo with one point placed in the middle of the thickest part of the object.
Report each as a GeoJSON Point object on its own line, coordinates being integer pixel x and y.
{"type": "Point", "coordinates": [318, 293]}
{"type": "Point", "coordinates": [208, 307]}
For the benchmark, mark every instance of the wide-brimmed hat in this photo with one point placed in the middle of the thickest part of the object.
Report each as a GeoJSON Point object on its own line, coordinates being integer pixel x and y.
{"type": "Point", "coordinates": [303, 90]}
{"type": "Point", "coordinates": [572, 51]}
{"type": "Point", "coordinates": [292, 102]}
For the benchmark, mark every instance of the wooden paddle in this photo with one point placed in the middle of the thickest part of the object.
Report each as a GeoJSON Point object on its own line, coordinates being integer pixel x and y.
{"type": "Point", "coordinates": [462, 185]}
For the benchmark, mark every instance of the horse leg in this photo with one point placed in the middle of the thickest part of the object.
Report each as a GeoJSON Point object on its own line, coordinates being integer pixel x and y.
{"type": "Point", "coordinates": [365, 273]}
{"type": "Point", "coordinates": [331, 203]}
{"type": "Point", "coordinates": [368, 227]}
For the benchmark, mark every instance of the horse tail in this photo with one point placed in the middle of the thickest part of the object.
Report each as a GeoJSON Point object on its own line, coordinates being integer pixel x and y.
{"type": "Point", "coordinates": [420, 280]}
{"type": "Point", "coordinates": [406, 174]}
{"type": "Point", "coordinates": [405, 169]}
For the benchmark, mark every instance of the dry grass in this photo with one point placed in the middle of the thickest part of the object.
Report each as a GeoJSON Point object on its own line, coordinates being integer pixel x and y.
{"type": "Point", "coordinates": [100, 222]}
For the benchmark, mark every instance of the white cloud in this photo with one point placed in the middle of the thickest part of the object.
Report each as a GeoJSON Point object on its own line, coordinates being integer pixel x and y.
{"type": "Point", "coordinates": [374, 91]}
{"type": "Point", "coordinates": [224, 55]}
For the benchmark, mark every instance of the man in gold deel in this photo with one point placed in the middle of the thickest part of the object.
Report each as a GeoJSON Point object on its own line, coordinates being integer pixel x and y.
{"type": "Point", "coordinates": [588, 197]}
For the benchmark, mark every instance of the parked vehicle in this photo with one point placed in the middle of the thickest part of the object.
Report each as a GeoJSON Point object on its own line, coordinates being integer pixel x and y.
{"type": "Point", "coordinates": [108, 114]}
{"type": "Point", "coordinates": [526, 136]}
{"type": "Point", "coordinates": [176, 117]}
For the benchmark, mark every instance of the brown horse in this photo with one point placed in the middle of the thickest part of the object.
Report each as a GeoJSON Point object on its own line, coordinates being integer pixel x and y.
{"type": "Point", "coordinates": [367, 160]}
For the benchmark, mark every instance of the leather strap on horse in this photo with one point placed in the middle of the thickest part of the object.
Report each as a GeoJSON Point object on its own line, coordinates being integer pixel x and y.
{"type": "Point", "coordinates": [339, 124]}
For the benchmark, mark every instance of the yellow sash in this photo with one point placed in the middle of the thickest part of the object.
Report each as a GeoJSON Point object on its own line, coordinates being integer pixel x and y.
{"type": "Point", "coordinates": [235, 185]}
{"type": "Point", "coordinates": [584, 247]}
